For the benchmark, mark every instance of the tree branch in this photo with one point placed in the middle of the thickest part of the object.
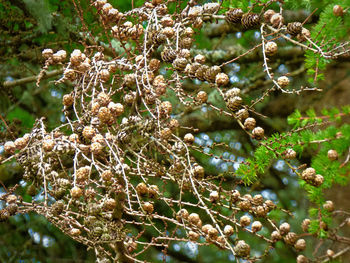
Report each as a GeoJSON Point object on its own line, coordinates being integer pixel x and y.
{"type": "Point", "coordinates": [49, 74]}
{"type": "Point", "coordinates": [223, 55]}
{"type": "Point", "coordinates": [222, 27]}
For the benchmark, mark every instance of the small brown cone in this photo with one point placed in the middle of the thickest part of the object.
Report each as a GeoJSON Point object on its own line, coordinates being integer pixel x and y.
{"type": "Point", "coordinates": [234, 15]}
{"type": "Point", "coordinates": [250, 20]}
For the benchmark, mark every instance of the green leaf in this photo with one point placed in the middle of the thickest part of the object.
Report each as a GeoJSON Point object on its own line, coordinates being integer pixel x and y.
{"type": "Point", "coordinates": [24, 116]}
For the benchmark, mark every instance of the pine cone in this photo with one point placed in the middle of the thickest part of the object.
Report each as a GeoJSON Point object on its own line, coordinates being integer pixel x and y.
{"type": "Point", "coordinates": [198, 171]}
{"type": "Point", "coordinates": [4, 215]}
{"type": "Point", "coordinates": [211, 8]}
{"type": "Point", "coordinates": [275, 236]}
{"type": "Point", "coordinates": [284, 228]}
{"type": "Point", "coordinates": [300, 244]}
{"type": "Point", "coordinates": [234, 103]}
{"type": "Point", "coordinates": [305, 224]}
{"type": "Point", "coordinates": [308, 174]}
{"type": "Point", "coordinates": [180, 64]}
{"type": "Point", "coordinates": [302, 259]}
{"type": "Point", "coordinates": [242, 114]}
{"type": "Point", "coordinates": [331, 154]}
{"type": "Point", "coordinates": [318, 180]}
{"type": "Point", "coordinates": [158, 38]}
{"type": "Point", "coordinates": [193, 236]}
{"type": "Point", "coordinates": [201, 72]}
{"type": "Point", "coordinates": [242, 249]}
{"type": "Point", "coordinates": [258, 133]}
{"type": "Point", "coordinates": [12, 209]}
{"type": "Point", "coordinates": [186, 42]}
{"type": "Point", "coordinates": [211, 73]}
{"type": "Point", "coordinates": [234, 15]}
{"type": "Point", "coordinates": [168, 55]}
{"type": "Point", "coordinates": [228, 230]}
{"type": "Point", "coordinates": [245, 221]}
{"type": "Point", "coordinates": [250, 20]}
{"type": "Point", "coordinates": [202, 97]}
{"type": "Point", "coordinates": [191, 69]}
{"type": "Point", "coordinates": [290, 238]}
{"type": "Point", "coordinates": [294, 28]}
{"type": "Point", "coordinates": [57, 208]}
{"type": "Point", "coordinates": [182, 214]}
{"type": "Point", "coordinates": [150, 99]}
{"type": "Point", "coordinates": [105, 115]}
{"type": "Point", "coordinates": [245, 205]}
{"type": "Point", "coordinates": [261, 210]}
{"type": "Point", "coordinates": [232, 93]}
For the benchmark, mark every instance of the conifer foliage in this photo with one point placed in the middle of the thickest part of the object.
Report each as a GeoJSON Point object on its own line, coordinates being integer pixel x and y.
{"type": "Point", "coordinates": [124, 174]}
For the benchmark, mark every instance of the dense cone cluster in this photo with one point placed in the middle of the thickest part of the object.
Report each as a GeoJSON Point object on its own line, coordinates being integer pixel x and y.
{"type": "Point", "coordinates": [310, 176]}
{"type": "Point", "coordinates": [247, 20]}
{"type": "Point", "coordinates": [105, 174]}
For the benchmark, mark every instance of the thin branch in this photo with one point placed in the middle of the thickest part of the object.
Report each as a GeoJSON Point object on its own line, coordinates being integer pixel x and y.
{"type": "Point", "coordinates": [47, 74]}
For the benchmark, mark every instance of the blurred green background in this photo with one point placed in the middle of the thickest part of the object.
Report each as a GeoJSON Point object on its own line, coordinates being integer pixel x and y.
{"type": "Point", "coordinates": [29, 26]}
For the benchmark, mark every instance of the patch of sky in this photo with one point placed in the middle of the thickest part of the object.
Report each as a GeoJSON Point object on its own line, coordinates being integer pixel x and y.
{"type": "Point", "coordinates": [234, 79]}
{"type": "Point", "coordinates": [62, 118]}
{"type": "Point", "coordinates": [218, 138]}
{"type": "Point", "coordinates": [240, 159]}
{"type": "Point", "coordinates": [227, 136]}
{"type": "Point", "coordinates": [282, 69]}
{"type": "Point", "coordinates": [17, 217]}
{"type": "Point", "coordinates": [197, 82]}
{"type": "Point", "coordinates": [177, 247]}
{"type": "Point", "coordinates": [236, 166]}
{"type": "Point", "coordinates": [224, 167]}
{"type": "Point", "coordinates": [39, 197]}
{"type": "Point", "coordinates": [209, 142]}
{"type": "Point", "coordinates": [35, 236]}
{"type": "Point", "coordinates": [257, 34]}
{"type": "Point", "coordinates": [291, 172]}
{"type": "Point", "coordinates": [161, 256]}
{"type": "Point", "coordinates": [215, 161]}
{"type": "Point", "coordinates": [235, 67]}
{"type": "Point", "coordinates": [56, 94]}
{"type": "Point", "coordinates": [238, 146]}
{"type": "Point", "coordinates": [206, 150]}
{"type": "Point", "coordinates": [9, 78]}
{"type": "Point", "coordinates": [23, 183]}
{"type": "Point", "coordinates": [191, 249]}
{"type": "Point", "coordinates": [48, 241]}
{"type": "Point", "coordinates": [245, 80]}
{"type": "Point", "coordinates": [279, 165]}
{"type": "Point", "coordinates": [204, 136]}
{"type": "Point", "coordinates": [267, 194]}
{"type": "Point", "coordinates": [198, 141]}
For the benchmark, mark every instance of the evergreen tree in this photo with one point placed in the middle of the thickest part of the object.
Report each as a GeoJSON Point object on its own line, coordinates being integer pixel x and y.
{"type": "Point", "coordinates": [179, 131]}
